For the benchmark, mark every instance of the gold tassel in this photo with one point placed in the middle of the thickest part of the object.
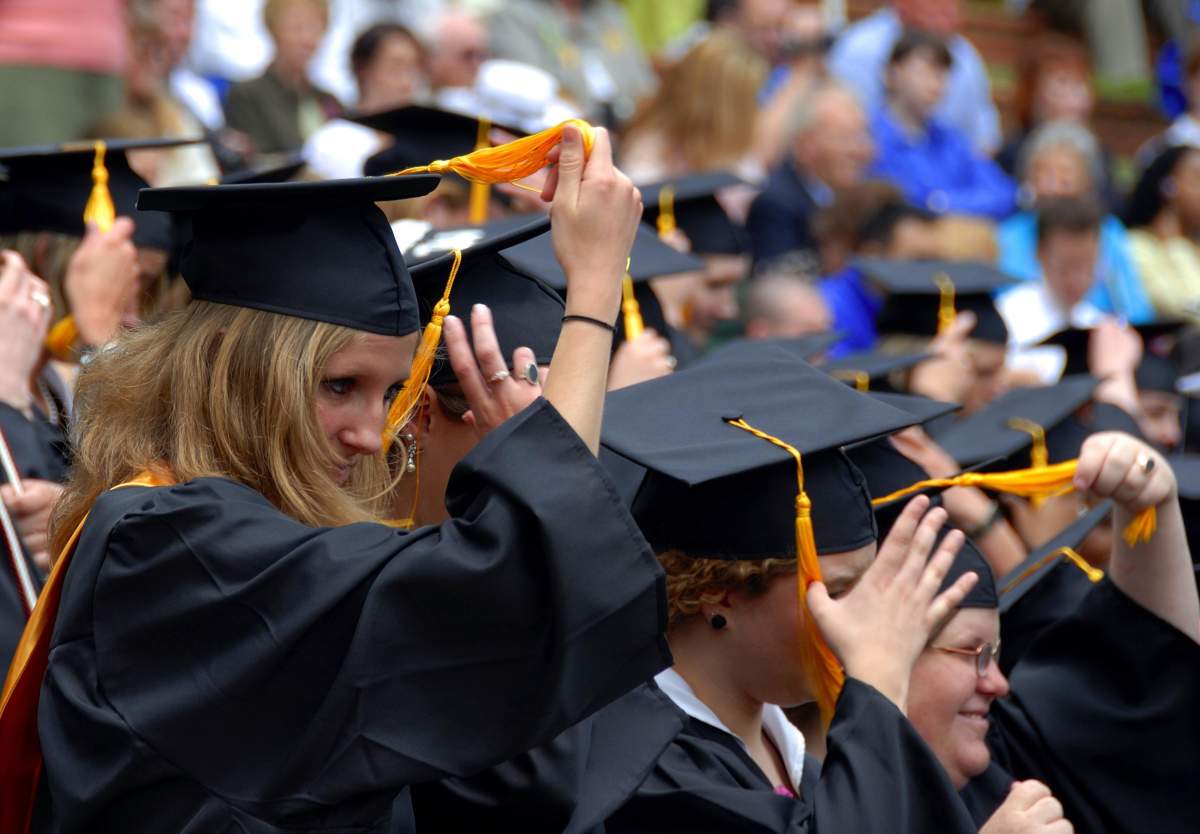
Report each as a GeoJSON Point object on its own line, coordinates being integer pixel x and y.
{"type": "Point", "coordinates": [946, 310]}
{"type": "Point", "coordinates": [861, 379]}
{"type": "Point", "coordinates": [477, 211]}
{"type": "Point", "coordinates": [666, 211]}
{"type": "Point", "coordinates": [62, 338]}
{"type": "Point", "coordinates": [402, 408]}
{"type": "Point", "coordinates": [99, 209]}
{"type": "Point", "coordinates": [820, 664]}
{"type": "Point", "coordinates": [1039, 455]}
{"type": "Point", "coordinates": [1093, 574]}
{"type": "Point", "coordinates": [631, 311]}
{"type": "Point", "coordinates": [1043, 482]}
{"type": "Point", "coordinates": [509, 162]}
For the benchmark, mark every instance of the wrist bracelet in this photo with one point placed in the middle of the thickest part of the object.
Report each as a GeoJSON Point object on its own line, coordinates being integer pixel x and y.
{"type": "Point", "coordinates": [573, 317]}
{"type": "Point", "coordinates": [984, 527]}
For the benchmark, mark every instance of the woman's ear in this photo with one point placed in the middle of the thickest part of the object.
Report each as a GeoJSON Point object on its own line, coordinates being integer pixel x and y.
{"type": "Point", "coordinates": [428, 409]}
{"type": "Point", "coordinates": [717, 610]}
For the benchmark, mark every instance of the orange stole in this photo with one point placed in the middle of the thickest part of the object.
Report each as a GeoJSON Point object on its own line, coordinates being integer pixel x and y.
{"type": "Point", "coordinates": [20, 748]}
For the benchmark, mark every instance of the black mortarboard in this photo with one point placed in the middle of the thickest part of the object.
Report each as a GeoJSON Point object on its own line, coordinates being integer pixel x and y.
{"type": "Point", "coordinates": [277, 173]}
{"type": "Point", "coordinates": [718, 491]}
{"type": "Point", "coordinates": [922, 409]}
{"type": "Point", "coordinates": [49, 186]}
{"type": "Point", "coordinates": [970, 559]}
{"type": "Point", "coordinates": [804, 348]}
{"type": "Point", "coordinates": [422, 135]}
{"type": "Point", "coordinates": [919, 295]}
{"type": "Point", "coordinates": [992, 432]}
{"type": "Point", "coordinates": [526, 312]}
{"type": "Point", "coordinates": [690, 203]}
{"type": "Point", "coordinates": [1158, 370]}
{"type": "Point", "coordinates": [649, 258]}
{"type": "Point", "coordinates": [867, 369]}
{"type": "Point", "coordinates": [315, 250]}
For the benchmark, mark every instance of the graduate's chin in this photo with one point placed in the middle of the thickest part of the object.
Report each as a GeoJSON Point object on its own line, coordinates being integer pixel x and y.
{"type": "Point", "coordinates": [971, 754]}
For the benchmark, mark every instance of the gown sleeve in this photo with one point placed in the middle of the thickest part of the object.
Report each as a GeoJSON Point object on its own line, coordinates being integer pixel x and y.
{"type": "Point", "coordinates": [39, 448]}
{"type": "Point", "coordinates": [285, 667]}
{"type": "Point", "coordinates": [878, 776]}
{"type": "Point", "coordinates": [1103, 709]}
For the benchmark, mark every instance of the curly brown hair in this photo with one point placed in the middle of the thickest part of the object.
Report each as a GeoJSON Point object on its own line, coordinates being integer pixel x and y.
{"type": "Point", "coordinates": [692, 582]}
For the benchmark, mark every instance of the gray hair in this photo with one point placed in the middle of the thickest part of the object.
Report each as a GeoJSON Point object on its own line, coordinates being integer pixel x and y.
{"type": "Point", "coordinates": [803, 116]}
{"type": "Point", "coordinates": [766, 293]}
{"type": "Point", "coordinates": [1059, 133]}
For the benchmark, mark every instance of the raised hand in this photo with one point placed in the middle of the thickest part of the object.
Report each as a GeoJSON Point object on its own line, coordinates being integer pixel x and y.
{"type": "Point", "coordinates": [1029, 808]}
{"type": "Point", "coordinates": [24, 317]}
{"type": "Point", "coordinates": [646, 357]}
{"type": "Point", "coordinates": [102, 281]}
{"type": "Point", "coordinates": [880, 627]}
{"type": "Point", "coordinates": [492, 391]}
{"type": "Point", "coordinates": [31, 514]}
{"type": "Point", "coordinates": [1117, 466]}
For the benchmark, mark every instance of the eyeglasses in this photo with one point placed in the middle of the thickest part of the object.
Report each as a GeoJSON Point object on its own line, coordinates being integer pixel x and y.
{"type": "Point", "coordinates": [984, 655]}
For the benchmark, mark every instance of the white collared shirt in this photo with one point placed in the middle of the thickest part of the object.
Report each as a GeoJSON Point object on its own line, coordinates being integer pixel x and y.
{"type": "Point", "coordinates": [788, 740]}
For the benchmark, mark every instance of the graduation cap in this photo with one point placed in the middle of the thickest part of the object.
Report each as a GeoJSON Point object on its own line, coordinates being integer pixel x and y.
{"type": "Point", "coordinates": [924, 296]}
{"type": "Point", "coordinates": [525, 310]}
{"type": "Point", "coordinates": [922, 409]}
{"type": "Point", "coordinates": [277, 173]}
{"type": "Point", "coordinates": [866, 369]}
{"type": "Point", "coordinates": [805, 348]}
{"type": "Point", "coordinates": [423, 134]}
{"type": "Point", "coordinates": [314, 250]}
{"type": "Point", "coordinates": [690, 203]}
{"type": "Point", "coordinates": [1020, 419]}
{"type": "Point", "coordinates": [743, 462]}
{"type": "Point", "coordinates": [1158, 370]}
{"type": "Point", "coordinates": [61, 187]}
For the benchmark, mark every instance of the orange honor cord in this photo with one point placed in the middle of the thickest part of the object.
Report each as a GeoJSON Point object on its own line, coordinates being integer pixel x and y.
{"type": "Point", "coordinates": [509, 162]}
{"type": "Point", "coordinates": [20, 749]}
{"type": "Point", "coordinates": [821, 666]}
{"type": "Point", "coordinates": [1038, 484]}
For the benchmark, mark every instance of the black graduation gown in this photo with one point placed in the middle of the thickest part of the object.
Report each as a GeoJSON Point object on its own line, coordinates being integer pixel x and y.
{"type": "Point", "coordinates": [569, 786]}
{"type": "Point", "coordinates": [1103, 709]}
{"type": "Point", "coordinates": [1038, 606]}
{"type": "Point", "coordinates": [878, 776]}
{"type": "Point", "coordinates": [217, 666]}
{"type": "Point", "coordinates": [40, 448]}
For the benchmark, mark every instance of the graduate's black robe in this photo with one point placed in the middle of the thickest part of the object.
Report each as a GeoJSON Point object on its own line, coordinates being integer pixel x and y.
{"type": "Point", "coordinates": [879, 777]}
{"type": "Point", "coordinates": [217, 666]}
{"type": "Point", "coordinates": [1104, 710]}
{"type": "Point", "coordinates": [40, 448]}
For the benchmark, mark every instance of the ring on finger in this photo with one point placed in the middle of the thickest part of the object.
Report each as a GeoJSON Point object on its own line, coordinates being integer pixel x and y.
{"type": "Point", "coordinates": [499, 375]}
{"type": "Point", "coordinates": [672, 362]}
{"type": "Point", "coordinates": [530, 374]}
{"type": "Point", "coordinates": [1146, 463]}
{"type": "Point", "coordinates": [40, 297]}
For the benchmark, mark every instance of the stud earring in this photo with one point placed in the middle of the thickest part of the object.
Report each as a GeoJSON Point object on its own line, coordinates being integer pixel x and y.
{"type": "Point", "coordinates": [410, 458]}
{"type": "Point", "coordinates": [717, 622]}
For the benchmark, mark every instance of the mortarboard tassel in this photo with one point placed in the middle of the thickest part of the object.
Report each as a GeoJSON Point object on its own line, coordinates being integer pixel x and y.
{"type": "Point", "coordinates": [946, 310]}
{"type": "Point", "coordinates": [99, 208]}
{"type": "Point", "coordinates": [402, 408]}
{"type": "Point", "coordinates": [1039, 455]}
{"type": "Point", "coordinates": [61, 340]}
{"type": "Point", "coordinates": [477, 210]}
{"type": "Point", "coordinates": [631, 311]}
{"type": "Point", "coordinates": [666, 211]}
{"type": "Point", "coordinates": [1042, 482]}
{"type": "Point", "coordinates": [861, 379]}
{"type": "Point", "coordinates": [1093, 574]}
{"type": "Point", "coordinates": [819, 662]}
{"type": "Point", "coordinates": [509, 162]}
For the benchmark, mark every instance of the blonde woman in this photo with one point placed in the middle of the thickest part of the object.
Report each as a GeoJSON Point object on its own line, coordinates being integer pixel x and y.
{"type": "Point", "coordinates": [240, 645]}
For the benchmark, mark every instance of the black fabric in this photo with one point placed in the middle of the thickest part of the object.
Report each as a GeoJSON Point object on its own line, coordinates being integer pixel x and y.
{"type": "Point", "coordinates": [218, 666]}
{"type": "Point", "coordinates": [1103, 710]}
{"type": "Point", "coordinates": [422, 135]}
{"type": "Point", "coordinates": [806, 348]}
{"type": "Point", "coordinates": [698, 212]}
{"type": "Point", "coordinates": [878, 776]}
{"type": "Point", "coordinates": [877, 365]}
{"type": "Point", "coordinates": [780, 222]}
{"type": "Point", "coordinates": [315, 250]}
{"type": "Point", "coordinates": [40, 449]}
{"type": "Point", "coordinates": [569, 786]}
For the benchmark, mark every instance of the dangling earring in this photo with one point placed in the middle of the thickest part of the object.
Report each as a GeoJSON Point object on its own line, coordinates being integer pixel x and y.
{"type": "Point", "coordinates": [410, 457]}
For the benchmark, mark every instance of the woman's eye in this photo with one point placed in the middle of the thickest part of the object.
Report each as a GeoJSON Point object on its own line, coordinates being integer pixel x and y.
{"type": "Point", "coordinates": [339, 386]}
{"type": "Point", "coordinates": [393, 392]}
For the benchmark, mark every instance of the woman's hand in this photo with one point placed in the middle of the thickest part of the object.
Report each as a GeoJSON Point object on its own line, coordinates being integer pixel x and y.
{"type": "Point", "coordinates": [946, 375]}
{"type": "Point", "coordinates": [24, 318]}
{"type": "Point", "coordinates": [102, 281]}
{"type": "Point", "coordinates": [493, 392]}
{"type": "Point", "coordinates": [646, 357]}
{"type": "Point", "coordinates": [1029, 808]}
{"type": "Point", "coordinates": [1117, 466]}
{"type": "Point", "coordinates": [880, 627]}
{"type": "Point", "coordinates": [31, 514]}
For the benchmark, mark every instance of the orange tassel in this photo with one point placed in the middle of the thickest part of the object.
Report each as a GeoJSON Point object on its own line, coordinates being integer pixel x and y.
{"type": "Point", "coordinates": [946, 310]}
{"type": "Point", "coordinates": [631, 311]}
{"type": "Point", "coordinates": [1042, 483]}
{"type": "Point", "coordinates": [824, 672]}
{"type": "Point", "coordinates": [99, 209]}
{"type": "Point", "coordinates": [509, 162]}
{"type": "Point", "coordinates": [666, 211]}
{"type": "Point", "coordinates": [62, 338]}
{"type": "Point", "coordinates": [1093, 574]}
{"type": "Point", "coordinates": [477, 212]}
{"type": "Point", "coordinates": [402, 408]}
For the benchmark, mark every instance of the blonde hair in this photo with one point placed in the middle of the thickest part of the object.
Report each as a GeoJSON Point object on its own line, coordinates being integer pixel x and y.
{"type": "Point", "coordinates": [217, 391]}
{"type": "Point", "coordinates": [272, 9]}
{"type": "Point", "coordinates": [693, 582]}
{"type": "Point", "coordinates": [707, 104]}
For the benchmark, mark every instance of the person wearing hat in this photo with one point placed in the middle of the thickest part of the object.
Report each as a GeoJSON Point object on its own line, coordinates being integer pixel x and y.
{"type": "Point", "coordinates": [1107, 688]}
{"type": "Point", "coordinates": [230, 639]}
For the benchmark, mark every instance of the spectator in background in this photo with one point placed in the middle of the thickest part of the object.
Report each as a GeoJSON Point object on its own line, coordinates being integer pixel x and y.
{"type": "Point", "coordinates": [829, 148]}
{"type": "Point", "coordinates": [1163, 215]}
{"type": "Point", "coordinates": [192, 91]}
{"type": "Point", "coordinates": [1063, 159]}
{"type": "Point", "coordinates": [456, 46]}
{"type": "Point", "coordinates": [1185, 130]}
{"type": "Point", "coordinates": [860, 58]}
{"type": "Point", "coordinates": [1068, 246]}
{"type": "Point", "coordinates": [587, 45]}
{"type": "Point", "coordinates": [703, 116]}
{"type": "Point", "coordinates": [386, 61]}
{"type": "Point", "coordinates": [932, 163]}
{"type": "Point", "coordinates": [61, 63]}
{"type": "Point", "coordinates": [783, 305]}
{"type": "Point", "coordinates": [281, 108]}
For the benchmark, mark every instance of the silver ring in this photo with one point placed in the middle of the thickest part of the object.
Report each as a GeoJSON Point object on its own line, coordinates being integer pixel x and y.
{"type": "Point", "coordinates": [672, 362]}
{"type": "Point", "coordinates": [1146, 463]}
{"type": "Point", "coordinates": [40, 297]}
{"type": "Point", "coordinates": [530, 374]}
{"type": "Point", "coordinates": [499, 375]}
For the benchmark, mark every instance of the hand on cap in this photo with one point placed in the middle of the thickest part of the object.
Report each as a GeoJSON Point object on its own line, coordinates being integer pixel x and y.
{"type": "Point", "coordinates": [31, 514]}
{"type": "Point", "coordinates": [493, 392]}
{"type": "Point", "coordinates": [1123, 468]}
{"type": "Point", "coordinates": [1029, 808]}
{"type": "Point", "coordinates": [646, 357]}
{"type": "Point", "coordinates": [881, 626]}
{"type": "Point", "coordinates": [102, 281]}
{"type": "Point", "coordinates": [1113, 349]}
{"type": "Point", "coordinates": [25, 312]}
{"type": "Point", "coordinates": [947, 374]}
{"type": "Point", "coordinates": [595, 214]}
